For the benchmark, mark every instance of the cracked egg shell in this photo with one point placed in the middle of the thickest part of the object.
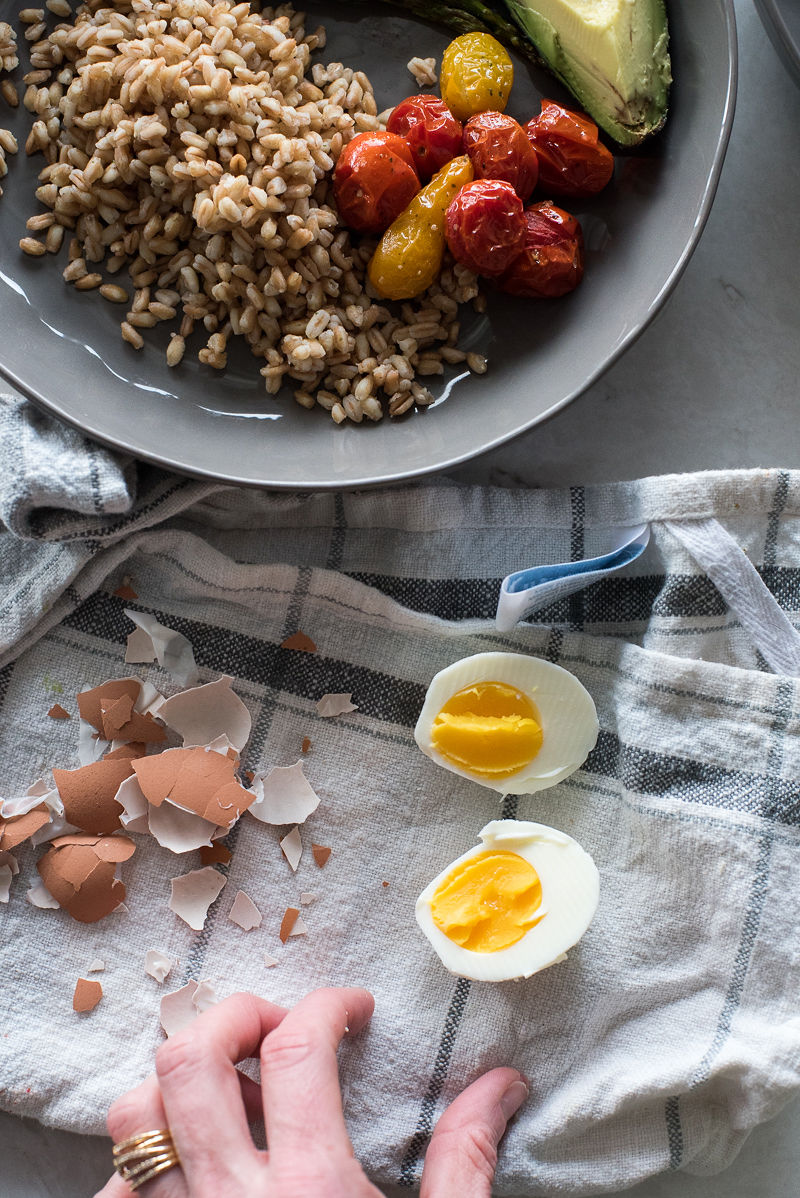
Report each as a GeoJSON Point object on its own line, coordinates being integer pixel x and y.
{"type": "Point", "coordinates": [508, 721]}
{"type": "Point", "coordinates": [513, 905]}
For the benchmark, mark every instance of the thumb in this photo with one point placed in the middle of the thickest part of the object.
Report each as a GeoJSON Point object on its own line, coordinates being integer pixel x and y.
{"type": "Point", "coordinates": [462, 1155]}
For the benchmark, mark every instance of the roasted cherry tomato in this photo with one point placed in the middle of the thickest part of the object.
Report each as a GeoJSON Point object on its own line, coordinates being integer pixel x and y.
{"type": "Point", "coordinates": [431, 131]}
{"type": "Point", "coordinates": [409, 255]}
{"type": "Point", "coordinates": [498, 148]}
{"type": "Point", "coordinates": [485, 226]}
{"type": "Point", "coordinates": [572, 161]}
{"type": "Point", "coordinates": [476, 75]}
{"type": "Point", "coordinates": [551, 262]}
{"type": "Point", "coordinates": [374, 180]}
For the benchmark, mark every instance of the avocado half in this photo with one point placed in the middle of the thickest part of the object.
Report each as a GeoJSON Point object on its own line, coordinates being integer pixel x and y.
{"type": "Point", "coordinates": [613, 55]}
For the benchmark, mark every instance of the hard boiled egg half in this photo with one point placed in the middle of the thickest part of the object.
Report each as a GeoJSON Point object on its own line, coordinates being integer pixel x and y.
{"type": "Point", "coordinates": [511, 906]}
{"type": "Point", "coordinates": [509, 721]}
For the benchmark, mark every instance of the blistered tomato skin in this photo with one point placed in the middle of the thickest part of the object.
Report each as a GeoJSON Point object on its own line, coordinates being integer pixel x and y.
{"type": "Point", "coordinates": [551, 261]}
{"type": "Point", "coordinates": [430, 131]}
{"type": "Point", "coordinates": [485, 226]}
{"type": "Point", "coordinates": [498, 148]}
{"type": "Point", "coordinates": [374, 180]}
{"type": "Point", "coordinates": [572, 159]}
{"type": "Point", "coordinates": [476, 75]}
{"type": "Point", "coordinates": [409, 255]}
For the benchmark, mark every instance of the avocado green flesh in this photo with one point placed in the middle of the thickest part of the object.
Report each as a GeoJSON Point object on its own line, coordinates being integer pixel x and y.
{"type": "Point", "coordinates": [611, 54]}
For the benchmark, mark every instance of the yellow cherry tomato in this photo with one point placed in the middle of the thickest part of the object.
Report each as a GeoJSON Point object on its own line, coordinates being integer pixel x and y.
{"type": "Point", "coordinates": [409, 255]}
{"type": "Point", "coordinates": [476, 75]}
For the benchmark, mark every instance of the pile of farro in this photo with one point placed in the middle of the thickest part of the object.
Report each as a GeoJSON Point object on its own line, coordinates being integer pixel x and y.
{"type": "Point", "coordinates": [192, 144]}
{"type": "Point", "coordinates": [8, 93]}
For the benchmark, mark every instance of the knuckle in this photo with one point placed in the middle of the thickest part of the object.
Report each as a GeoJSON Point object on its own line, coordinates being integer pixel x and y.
{"type": "Point", "coordinates": [177, 1057]}
{"type": "Point", "coordinates": [472, 1145]}
{"type": "Point", "coordinates": [124, 1117]}
{"type": "Point", "coordinates": [480, 1148]}
{"type": "Point", "coordinates": [243, 1003]}
{"type": "Point", "coordinates": [285, 1051]}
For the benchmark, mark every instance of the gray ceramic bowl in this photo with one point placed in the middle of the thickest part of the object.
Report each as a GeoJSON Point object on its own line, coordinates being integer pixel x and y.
{"type": "Point", "coordinates": [63, 348]}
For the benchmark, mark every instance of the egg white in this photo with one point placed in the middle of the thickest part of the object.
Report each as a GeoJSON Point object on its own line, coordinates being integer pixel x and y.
{"type": "Point", "coordinates": [570, 893]}
{"type": "Point", "coordinates": [567, 711]}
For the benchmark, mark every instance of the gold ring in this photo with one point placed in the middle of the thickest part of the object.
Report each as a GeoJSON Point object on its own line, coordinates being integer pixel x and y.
{"type": "Point", "coordinates": [142, 1157]}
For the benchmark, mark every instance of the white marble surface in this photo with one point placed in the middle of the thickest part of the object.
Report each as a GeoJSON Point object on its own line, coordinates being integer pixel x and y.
{"type": "Point", "coordinates": [712, 383]}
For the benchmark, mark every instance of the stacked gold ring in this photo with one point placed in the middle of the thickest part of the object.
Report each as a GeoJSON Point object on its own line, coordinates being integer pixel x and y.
{"type": "Point", "coordinates": [145, 1156]}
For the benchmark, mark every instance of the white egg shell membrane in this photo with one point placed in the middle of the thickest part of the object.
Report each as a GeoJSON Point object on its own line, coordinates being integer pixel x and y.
{"type": "Point", "coordinates": [570, 893]}
{"type": "Point", "coordinates": [567, 711]}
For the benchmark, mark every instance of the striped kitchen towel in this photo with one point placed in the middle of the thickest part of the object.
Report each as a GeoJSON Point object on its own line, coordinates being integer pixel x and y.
{"type": "Point", "coordinates": [670, 1031]}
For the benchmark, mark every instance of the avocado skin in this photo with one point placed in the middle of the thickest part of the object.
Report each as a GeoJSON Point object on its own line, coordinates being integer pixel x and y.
{"type": "Point", "coordinates": [627, 118]}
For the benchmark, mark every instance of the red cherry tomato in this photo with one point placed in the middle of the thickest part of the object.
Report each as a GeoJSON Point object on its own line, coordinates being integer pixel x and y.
{"type": "Point", "coordinates": [431, 131]}
{"type": "Point", "coordinates": [374, 180]}
{"type": "Point", "coordinates": [551, 261]}
{"type": "Point", "coordinates": [485, 226]}
{"type": "Point", "coordinates": [498, 148]}
{"type": "Point", "coordinates": [572, 161]}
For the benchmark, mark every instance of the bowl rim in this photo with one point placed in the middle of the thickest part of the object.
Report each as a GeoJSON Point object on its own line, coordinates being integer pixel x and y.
{"type": "Point", "coordinates": [54, 408]}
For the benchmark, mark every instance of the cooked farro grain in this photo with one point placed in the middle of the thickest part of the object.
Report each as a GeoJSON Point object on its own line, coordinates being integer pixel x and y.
{"type": "Point", "coordinates": [9, 93]}
{"type": "Point", "coordinates": [193, 142]}
{"type": "Point", "coordinates": [424, 71]}
{"type": "Point", "coordinates": [29, 245]}
{"type": "Point", "coordinates": [114, 293]}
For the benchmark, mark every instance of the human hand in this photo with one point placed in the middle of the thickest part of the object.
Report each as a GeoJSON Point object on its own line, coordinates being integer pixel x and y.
{"type": "Point", "coordinates": [206, 1103]}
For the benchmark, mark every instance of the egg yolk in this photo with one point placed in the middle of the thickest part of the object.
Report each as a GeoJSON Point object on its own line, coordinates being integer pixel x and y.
{"type": "Point", "coordinates": [490, 729]}
{"type": "Point", "coordinates": [489, 902]}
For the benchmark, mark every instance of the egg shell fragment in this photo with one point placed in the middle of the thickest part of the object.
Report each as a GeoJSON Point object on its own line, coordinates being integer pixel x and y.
{"type": "Point", "coordinates": [157, 964]}
{"type": "Point", "coordinates": [204, 712]}
{"type": "Point", "coordinates": [244, 912]}
{"type": "Point", "coordinates": [567, 712]}
{"type": "Point", "coordinates": [80, 874]}
{"type": "Point", "coordinates": [198, 780]}
{"type": "Point", "coordinates": [570, 894]}
{"type": "Point", "coordinates": [193, 894]}
{"type": "Point", "coordinates": [88, 794]}
{"type": "Point", "coordinates": [87, 995]}
{"type": "Point", "coordinates": [19, 828]}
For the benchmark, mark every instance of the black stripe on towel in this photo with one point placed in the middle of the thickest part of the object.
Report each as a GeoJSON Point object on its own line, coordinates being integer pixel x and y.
{"type": "Point", "coordinates": [424, 1128]}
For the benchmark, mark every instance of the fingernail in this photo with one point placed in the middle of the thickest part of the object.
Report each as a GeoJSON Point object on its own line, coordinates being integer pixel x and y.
{"type": "Point", "coordinates": [513, 1099]}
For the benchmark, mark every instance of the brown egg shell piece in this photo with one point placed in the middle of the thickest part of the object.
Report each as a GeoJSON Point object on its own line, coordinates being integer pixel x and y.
{"type": "Point", "coordinates": [57, 712]}
{"type": "Point", "coordinates": [87, 995]}
{"type": "Point", "coordinates": [90, 702]}
{"type": "Point", "coordinates": [79, 872]}
{"type": "Point", "coordinates": [290, 917]}
{"type": "Point", "coordinates": [300, 643]}
{"type": "Point", "coordinates": [121, 722]}
{"type": "Point", "coordinates": [134, 748]}
{"type": "Point", "coordinates": [21, 827]}
{"type": "Point", "coordinates": [215, 854]}
{"type": "Point", "coordinates": [114, 713]}
{"type": "Point", "coordinates": [88, 794]}
{"type": "Point", "coordinates": [321, 854]}
{"type": "Point", "coordinates": [125, 592]}
{"type": "Point", "coordinates": [198, 780]}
